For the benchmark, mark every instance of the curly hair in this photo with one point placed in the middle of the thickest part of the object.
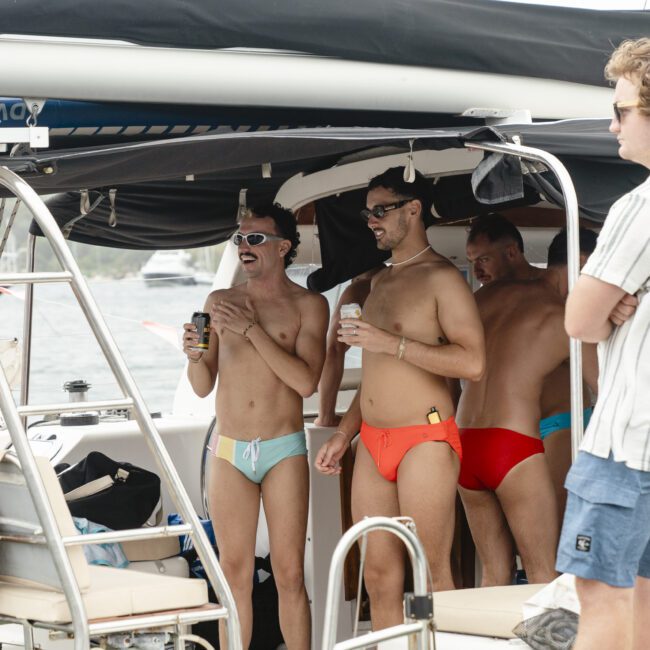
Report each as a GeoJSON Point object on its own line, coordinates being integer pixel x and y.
{"type": "Point", "coordinates": [421, 189]}
{"type": "Point", "coordinates": [631, 59]}
{"type": "Point", "coordinates": [285, 223]}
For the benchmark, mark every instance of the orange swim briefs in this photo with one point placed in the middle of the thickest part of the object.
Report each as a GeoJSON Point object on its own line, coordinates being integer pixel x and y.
{"type": "Point", "coordinates": [388, 446]}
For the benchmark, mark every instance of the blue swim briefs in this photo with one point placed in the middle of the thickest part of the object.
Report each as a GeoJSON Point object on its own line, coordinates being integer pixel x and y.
{"type": "Point", "coordinates": [255, 458]}
{"type": "Point", "coordinates": [561, 421]}
{"type": "Point", "coordinates": [606, 530]}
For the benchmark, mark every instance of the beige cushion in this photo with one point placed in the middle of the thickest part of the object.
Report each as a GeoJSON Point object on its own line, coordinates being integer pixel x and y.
{"type": "Point", "coordinates": [112, 592]}
{"type": "Point", "coordinates": [159, 548]}
{"type": "Point", "coordinates": [486, 611]}
{"type": "Point", "coordinates": [64, 522]}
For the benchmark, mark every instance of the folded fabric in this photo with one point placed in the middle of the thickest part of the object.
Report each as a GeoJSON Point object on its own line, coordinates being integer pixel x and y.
{"type": "Point", "coordinates": [561, 593]}
{"type": "Point", "coordinates": [102, 554]}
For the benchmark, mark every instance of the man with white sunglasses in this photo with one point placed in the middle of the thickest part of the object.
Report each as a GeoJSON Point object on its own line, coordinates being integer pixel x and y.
{"type": "Point", "coordinates": [267, 344]}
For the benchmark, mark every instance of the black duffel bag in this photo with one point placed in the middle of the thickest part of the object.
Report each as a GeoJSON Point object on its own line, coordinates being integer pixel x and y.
{"type": "Point", "coordinates": [115, 494]}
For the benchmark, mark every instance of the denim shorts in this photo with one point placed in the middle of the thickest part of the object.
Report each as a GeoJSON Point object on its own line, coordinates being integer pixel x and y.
{"type": "Point", "coordinates": [606, 530]}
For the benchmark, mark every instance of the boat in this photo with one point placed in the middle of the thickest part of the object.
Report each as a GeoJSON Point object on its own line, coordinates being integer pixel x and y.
{"type": "Point", "coordinates": [169, 267]}
{"type": "Point", "coordinates": [189, 190]}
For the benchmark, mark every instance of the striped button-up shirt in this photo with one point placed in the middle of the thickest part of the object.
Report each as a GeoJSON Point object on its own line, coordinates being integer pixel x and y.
{"type": "Point", "coordinates": [621, 420]}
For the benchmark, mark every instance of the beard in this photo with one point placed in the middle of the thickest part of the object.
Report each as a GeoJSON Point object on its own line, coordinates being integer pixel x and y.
{"type": "Point", "coordinates": [395, 238]}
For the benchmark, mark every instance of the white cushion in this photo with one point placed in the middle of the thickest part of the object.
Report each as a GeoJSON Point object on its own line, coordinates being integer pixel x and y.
{"type": "Point", "coordinates": [65, 524]}
{"type": "Point", "coordinates": [112, 592]}
{"type": "Point", "coordinates": [158, 548]}
{"type": "Point", "coordinates": [486, 611]}
{"type": "Point", "coordinates": [171, 566]}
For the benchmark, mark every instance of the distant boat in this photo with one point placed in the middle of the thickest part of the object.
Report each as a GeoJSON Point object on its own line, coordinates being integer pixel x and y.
{"type": "Point", "coordinates": [168, 267]}
{"type": "Point", "coordinates": [203, 277]}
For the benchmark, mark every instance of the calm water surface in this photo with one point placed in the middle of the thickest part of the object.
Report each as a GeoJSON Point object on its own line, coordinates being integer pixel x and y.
{"type": "Point", "coordinates": [65, 349]}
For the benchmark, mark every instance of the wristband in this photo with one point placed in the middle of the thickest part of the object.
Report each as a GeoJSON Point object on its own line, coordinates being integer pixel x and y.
{"type": "Point", "coordinates": [401, 348]}
{"type": "Point", "coordinates": [251, 324]}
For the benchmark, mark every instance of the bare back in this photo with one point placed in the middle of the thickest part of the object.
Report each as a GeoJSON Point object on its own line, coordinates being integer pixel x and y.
{"type": "Point", "coordinates": [251, 399]}
{"type": "Point", "coordinates": [404, 302]}
{"type": "Point", "coordinates": [525, 343]}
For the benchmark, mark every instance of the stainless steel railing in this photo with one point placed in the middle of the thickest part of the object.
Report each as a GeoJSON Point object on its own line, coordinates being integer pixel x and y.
{"type": "Point", "coordinates": [573, 259]}
{"type": "Point", "coordinates": [418, 606]}
{"type": "Point", "coordinates": [12, 415]}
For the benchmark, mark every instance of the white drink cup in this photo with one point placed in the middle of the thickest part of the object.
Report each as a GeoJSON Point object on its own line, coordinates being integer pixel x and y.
{"type": "Point", "coordinates": [351, 310]}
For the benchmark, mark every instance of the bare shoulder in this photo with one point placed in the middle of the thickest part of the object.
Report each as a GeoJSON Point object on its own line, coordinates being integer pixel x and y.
{"type": "Point", "coordinates": [357, 291]}
{"type": "Point", "coordinates": [215, 296]}
{"type": "Point", "coordinates": [378, 276]}
{"type": "Point", "coordinates": [442, 274]}
{"type": "Point", "coordinates": [232, 293]}
{"type": "Point", "coordinates": [310, 300]}
{"type": "Point", "coordinates": [313, 308]}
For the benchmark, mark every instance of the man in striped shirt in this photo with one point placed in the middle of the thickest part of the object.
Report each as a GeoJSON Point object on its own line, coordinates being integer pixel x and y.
{"type": "Point", "coordinates": [606, 535]}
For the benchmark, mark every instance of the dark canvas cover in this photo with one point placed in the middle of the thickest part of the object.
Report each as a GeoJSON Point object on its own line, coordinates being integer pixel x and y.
{"type": "Point", "coordinates": [480, 35]}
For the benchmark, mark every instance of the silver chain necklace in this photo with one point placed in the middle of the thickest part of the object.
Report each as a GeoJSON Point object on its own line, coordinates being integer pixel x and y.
{"type": "Point", "coordinates": [424, 250]}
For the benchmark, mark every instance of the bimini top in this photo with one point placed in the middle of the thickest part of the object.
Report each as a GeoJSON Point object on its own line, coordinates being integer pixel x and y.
{"type": "Point", "coordinates": [185, 192]}
{"type": "Point", "coordinates": [478, 35]}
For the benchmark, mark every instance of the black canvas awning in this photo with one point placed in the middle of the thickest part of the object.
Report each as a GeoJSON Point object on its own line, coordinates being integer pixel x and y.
{"type": "Point", "coordinates": [156, 207]}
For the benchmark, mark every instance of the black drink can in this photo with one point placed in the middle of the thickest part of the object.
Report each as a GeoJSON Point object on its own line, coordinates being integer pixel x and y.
{"type": "Point", "coordinates": [202, 321]}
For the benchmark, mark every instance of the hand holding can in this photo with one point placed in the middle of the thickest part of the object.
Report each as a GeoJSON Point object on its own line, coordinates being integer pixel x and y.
{"type": "Point", "coordinates": [201, 320]}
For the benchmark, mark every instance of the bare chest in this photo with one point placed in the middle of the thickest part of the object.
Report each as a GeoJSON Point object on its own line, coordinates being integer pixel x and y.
{"type": "Point", "coordinates": [279, 319]}
{"type": "Point", "coordinates": [403, 306]}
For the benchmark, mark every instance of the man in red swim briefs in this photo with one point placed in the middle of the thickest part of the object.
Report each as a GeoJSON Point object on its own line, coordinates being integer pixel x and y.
{"type": "Point", "coordinates": [505, 483]}
{"type": "Point", "coordinates": [420, 325]}
{"type": "Point", "coordinates": [495, 249]}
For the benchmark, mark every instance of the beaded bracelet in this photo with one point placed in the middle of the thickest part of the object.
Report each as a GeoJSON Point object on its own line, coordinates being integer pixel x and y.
{"type": "Point", "coordinates": [251, 324]}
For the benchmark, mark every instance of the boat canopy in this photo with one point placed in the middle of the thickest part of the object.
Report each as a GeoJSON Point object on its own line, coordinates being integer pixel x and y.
{"type": "Point", "coordinates": [186, 192]}
{"type": "Point", "coordinates": [477, 35]}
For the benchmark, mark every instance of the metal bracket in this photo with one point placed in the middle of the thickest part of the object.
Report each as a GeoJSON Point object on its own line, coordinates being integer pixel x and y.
{"type": "Point", "coordinates": [36, 136]}
{"type": "Point", "coordinates": [494, 116]}
{"type": "Point", "coordinates": [34, 107]}
{"type": "Point", "coordinates": [418, 608]}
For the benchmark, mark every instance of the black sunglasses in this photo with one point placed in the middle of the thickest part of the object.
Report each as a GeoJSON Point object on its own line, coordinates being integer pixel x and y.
{"type": "Point", "coordinates": [379, 211]}
{"type": "Point", "coordinates": [633, 103]}
{"type": "Point", "coordinates": [253, 238]}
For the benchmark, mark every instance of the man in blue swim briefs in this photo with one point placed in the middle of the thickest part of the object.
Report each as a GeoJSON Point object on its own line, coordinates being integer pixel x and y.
{"type": "Point", "coordinates": [495, 249]}
{"type": "Point", "coordinates": [605, 538]}
{"type": "Point", "coordinates": [267, 346]}
{"type": "Point", "coordinates": [419, 327]}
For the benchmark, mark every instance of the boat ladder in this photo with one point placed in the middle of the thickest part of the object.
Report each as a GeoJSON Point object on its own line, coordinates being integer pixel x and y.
{"type": "Point", "coordinates": [47, 533]}
{"type": "Point", "coordinates": [418, 626]}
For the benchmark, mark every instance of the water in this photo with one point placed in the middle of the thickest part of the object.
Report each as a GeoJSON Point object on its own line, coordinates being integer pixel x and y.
{"type": "Point", "coordinates": [65, 349]}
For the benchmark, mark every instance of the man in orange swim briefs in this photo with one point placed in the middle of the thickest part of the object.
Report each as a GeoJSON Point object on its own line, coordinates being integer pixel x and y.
{"type": "Point", "coordinates": [420, 325]}
{"type": "Point", "coordinates": [505, 483]}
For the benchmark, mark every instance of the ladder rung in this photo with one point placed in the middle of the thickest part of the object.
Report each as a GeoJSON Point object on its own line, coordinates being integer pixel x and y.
{"type": "Point", "coordinates": [74, 407]}
{"type": "Point", "coordinates": [209, 612]}
{"type": "Point", "coordinates": [35, 278]}
{"type": "Point", "coordinates": [128, 535]}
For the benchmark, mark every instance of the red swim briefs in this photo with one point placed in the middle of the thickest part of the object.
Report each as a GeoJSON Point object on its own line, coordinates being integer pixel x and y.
{"type": "Point", "coordinates": [388, 446]}
{"type": "Point", "coordinates": [490, 453]}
